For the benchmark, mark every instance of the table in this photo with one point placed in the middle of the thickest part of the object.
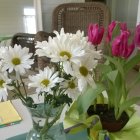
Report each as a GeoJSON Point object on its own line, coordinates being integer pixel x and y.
{"type": "Point", "coordinates": [79, 136]}
{"type": "Point", "coordinates": [26, 124]}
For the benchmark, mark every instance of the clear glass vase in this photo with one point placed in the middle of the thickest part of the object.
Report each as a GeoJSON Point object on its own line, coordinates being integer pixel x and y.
{"type": "Point", "coordinates": [44, 118]}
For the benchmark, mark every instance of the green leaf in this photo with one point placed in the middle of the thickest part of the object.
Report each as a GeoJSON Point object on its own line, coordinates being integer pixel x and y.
{"type": "Point", "coordinates": [118, 86]}
{"type": "Point", "coordinates": [110, 92]}
{"type": "Point", "coordinates": [117, 65]}
{"type": "Point", "coordinates": [131, 63]}
{"type": "Point", "coordinates": [112, 75]}
{"type": "Point", "coordinates": [87, 98]}
{"type": "Point", "coordinates": [126, 104]}
{"type": "Point", "coordinates": [104, 68]}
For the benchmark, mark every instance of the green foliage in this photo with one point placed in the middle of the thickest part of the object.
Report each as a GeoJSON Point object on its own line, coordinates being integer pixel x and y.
{"type": "Point", "coordinates": [87, 98]}
{"type": "Point", "coordinates": [114, 78]}
{"type": "Point", "coordinates": [58, 100]}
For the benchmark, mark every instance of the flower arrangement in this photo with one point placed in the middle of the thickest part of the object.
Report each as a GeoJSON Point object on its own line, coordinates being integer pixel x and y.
{"type": "Point", "coordinates": [74, 60]}
{"type": "Point", "coordinates": [73, 77]}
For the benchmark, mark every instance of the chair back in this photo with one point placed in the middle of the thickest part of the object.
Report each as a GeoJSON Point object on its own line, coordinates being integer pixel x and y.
{"type": "Point", "coordinates": [25, 40]}
{"type": "Point", "coordinates": [75, 16]}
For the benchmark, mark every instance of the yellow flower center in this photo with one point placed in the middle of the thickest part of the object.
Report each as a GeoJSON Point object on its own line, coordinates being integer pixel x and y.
{"type": "Point", "coordinates": [16, 61]}
{"type": "Point", "coordinates": [65, 53]}
{"type": "Point", "coordinates": [45, 82]}
{"type": "Point", "coordinates": [1, 83]}
{"type": "Point", "coordinates": [71, 85]}
{"type": "Point", "coordinates": [83, 70]}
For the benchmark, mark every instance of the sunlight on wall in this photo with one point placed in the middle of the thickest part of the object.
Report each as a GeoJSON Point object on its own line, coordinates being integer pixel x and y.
{"type": "Point", "coordinates": [29, 20]}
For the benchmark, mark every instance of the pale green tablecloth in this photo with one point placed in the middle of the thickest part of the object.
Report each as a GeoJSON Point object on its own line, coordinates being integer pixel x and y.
{"type": "Point", "coordinates": [131, 131]}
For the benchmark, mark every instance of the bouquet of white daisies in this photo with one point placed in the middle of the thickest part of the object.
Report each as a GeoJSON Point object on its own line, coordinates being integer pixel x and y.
{"type": "Point", "coordinates": [75, 61]}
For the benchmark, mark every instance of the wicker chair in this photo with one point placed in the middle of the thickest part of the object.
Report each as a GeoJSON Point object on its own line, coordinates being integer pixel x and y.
{"type": "Point", "coordinates": [75, 16]}
{"type": "Point", "coordinates": [25, 40]}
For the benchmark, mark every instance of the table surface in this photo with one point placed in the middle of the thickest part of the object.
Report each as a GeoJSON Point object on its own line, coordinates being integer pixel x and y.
{"type": "Point", "coordinates": [26, 124]}
{"type": "Point", "coordinates": [78, 136]}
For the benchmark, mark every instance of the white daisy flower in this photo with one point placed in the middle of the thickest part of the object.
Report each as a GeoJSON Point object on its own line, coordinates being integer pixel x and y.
{"type": "Point", "coordinates": [41, 48]}
{"type": "Point", "coordinates": [84, 72]}
{"type": "Point", "coordinates": [63, 48]}
{"type": "Point", "coordinates": [79, 36]}
{"type": "Point", "coordinates": [3, 93]}
{"type": "Point", "coordinates": [45, 80]}
{"type": "Point", "coordinates": [4, 81]}
{"type": "Point", "coordinates": [90, 51]}
{"type": "Point", "coordinates": [17, 59]}
{"type": "Point", "coordinates": [3, 50]}
{"type": "Point", "coordinates": [71, 88]}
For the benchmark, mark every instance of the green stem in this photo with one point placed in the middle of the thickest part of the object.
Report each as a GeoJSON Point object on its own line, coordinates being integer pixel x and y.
{"type": "Point", "coordinates": [18, 92]}
{"type": "Point", "coordinates": [19, 96]}
{"type": "Point", "coordinates": [48, 124]}
{"type": "Point", "coordinates": [45, 127]}
{"type": "Point", "coordinates": [23, 86]}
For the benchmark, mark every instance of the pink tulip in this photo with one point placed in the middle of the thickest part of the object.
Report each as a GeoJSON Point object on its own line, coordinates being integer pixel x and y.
{"type": "Point", "coordinates": [137, 35]}
{"type": "Point", "coordinates": [123, 27]}
{"type": "Point", "coordinates": [120, 47]}
{"type": "Point", "coordinates": [110, 30]}
{"type": "Point", "coordinates": [95, 34]}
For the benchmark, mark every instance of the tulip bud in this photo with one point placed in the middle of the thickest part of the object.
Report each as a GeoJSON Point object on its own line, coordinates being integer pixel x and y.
{"type": "Point", "coordinates": [120, 47]}
{"type": "Point", "coordinates": [95, 34]}
{"type": "Point", "coordinates": [111, 29]}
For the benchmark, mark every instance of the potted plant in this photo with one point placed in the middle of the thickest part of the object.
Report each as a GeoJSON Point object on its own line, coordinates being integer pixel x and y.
{"type": "Point", "coordinates": [108, 107]}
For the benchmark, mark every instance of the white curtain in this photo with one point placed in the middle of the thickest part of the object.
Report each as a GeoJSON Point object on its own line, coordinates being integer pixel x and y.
{"type": "Point", "coordinates": [124, 11]}
{"type": "Point", "coordinates": [138, 15]}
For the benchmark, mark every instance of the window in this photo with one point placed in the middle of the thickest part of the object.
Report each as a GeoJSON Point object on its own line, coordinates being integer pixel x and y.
{"type": "Point", "coordinates": [29, 20]}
